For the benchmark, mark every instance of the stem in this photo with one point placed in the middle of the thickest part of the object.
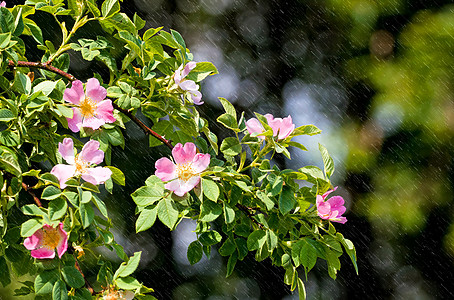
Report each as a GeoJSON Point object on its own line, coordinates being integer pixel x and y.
{"type": "Point", "coordinates": [48, 67]}
{"type": "Point", "coordinates": [27, 189]}
{"type": "Point", "coordinates": [247, 211]}
{"type": "Point", "coordinates": [87, 284]}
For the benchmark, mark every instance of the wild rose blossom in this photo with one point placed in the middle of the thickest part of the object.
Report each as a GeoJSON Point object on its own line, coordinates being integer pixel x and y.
{"type": "Point", "coordinates": [112, 294]}
{"type": "Point", "coordinates": [45, 240]}
{"type": "Point", "coordinates": [332, 209]}
{"type": "Point", "coordinates": [282, 128]}
{"type": "Point", "coordinates": [91, 109]}
{"type": "Point", "coordinates": [186, 84]}
{"type": "Point", "coordinates": [184, 173]}
{"type": "Point", "coordinates": [79, 164]}
{"type": "Point", "coordinates": [3, 4]}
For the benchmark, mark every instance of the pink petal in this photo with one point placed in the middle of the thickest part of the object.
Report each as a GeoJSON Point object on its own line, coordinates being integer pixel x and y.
{"type": "Point", "coordinates": [97, 175]}
{"type": "Point", "coordinates": [42, 253]}
{"type": "Point", "coordinates": [63, 173]}
{"type": "Point", "coordinates": [66, 149]}
{"type": "Point", "coordinates": [34, 241]}
{"type": "Point", "coordinates": [341, 220]}
{"type": "Point", "coordinates": [286, 128]}
{"type": "Point", "coordinates": [269, 118]}
{"type": "Point", "coordinates": [177, 75]}
{"type": "Point", "coordinates": [3, 4]}
{"type": "Point", "coordinates": [188, 85]}
{"type": "Point", "coordinates": [128, 295]}
{"type": "Point", "coordinates": [75, 94]}
{"type": "Point", "coordinates": [104, 111]}
{"type": "Point", "coordinates": [75, 123]}
{"type": "Point", "coordinates": [329, 192]}
{"type": "Point", "coordinates": [196, 97]}
{"type": "Point", "coordinates": [165, 169]}
{"type": "Point", "coordinates": [254, 126]}
{"type": "Point", "coordinates": [336, 202]}
{"type": "Point", "coordinates": [200, 162]}
{"type": "Point", "coordinates": [91, 153]}
{"type": "Point", "coordinates": [189, 66]}
{"type": "Point", "coordinates": [93, 123]}
{"type": "Point", "coordinates": [181, 187]}
{"type": "Point", "coordinates": [184, 154]}
{"type": "Point", "coordinates": [63, 242]}
{"type": "Point", "coordinates": [95, 91]}
{"type": "Point", "coordinates": [319, 199]}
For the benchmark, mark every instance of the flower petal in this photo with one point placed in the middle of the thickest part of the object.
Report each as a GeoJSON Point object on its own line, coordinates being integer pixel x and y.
{"type": "Point", "coordinates": [181, 187]}
{"type": "Point", "coordinates": [254, 126]}
{"type": "Point", "coordinates": [341, 220]}
{"type": "Point", "coordinates": [75, 94]}
{"type": "Point", "coordinates": [97, 175]}
{"type": "Point", "coordinates": [93, 123]}
{"type": "Point", "coordinates": [63, 242]}
{"type": "Point", "coordinates": [104, 111]}
{"type": "Point", "coordinates": [188, 85]}
{"type": "Point", "coordinates": [75, 123]}
{"type": "Point", "coordinates": [196, 97]}
{"type": "Point", "coordinates": [34, 241]}
{"type": "Point", "coordinates": [95, 91]}
{"type": "Point", "coordinates": [184, 154]}
{"type": "Point", "coordinates": [43, 252]}
{"type": "Point", "coordinates": [165, 169]}
{"type": "Point", "coordinates": [91, 153]}
{"type": "Point", "coordinates": [200, 162]}
{"type": "Point", "coordinates": [66, 149]}
{"type": "Point", "coordinates": [336, 202]}
{"type": "Point", "coordinates": [63, 173]}
{"type": "Point", "coordinates": [189, 66]}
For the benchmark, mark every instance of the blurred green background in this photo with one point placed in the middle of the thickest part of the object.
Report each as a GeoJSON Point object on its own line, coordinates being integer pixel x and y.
{"type": "Point", "coordinates": [377, 77]}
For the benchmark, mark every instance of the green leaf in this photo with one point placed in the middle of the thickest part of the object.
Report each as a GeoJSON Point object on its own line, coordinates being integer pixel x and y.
{"type": "Point", "coordinates": [117, 175]}
{"type": "Point", "coordinates": [127, 283]}
{"type": "Point", "coordinates": [147, 195]}
{"type": "Point", "coordinates": [5, 277]}
{"type": "Point", "coordinates": [195, 252]}
{"type": "Point", "coordinates": [59, 292]}
{"type": "Point", "coordinates": [210, 238]}
{"type": "Point", "coordinates": [73, 277]}
{"type": "Point", "coordinates": [5, 38]}
{"type": "Point", "coordinates": [230, 146]}
{"type": "Point", "coordinates": [128, 268]}
{"type": "Point", "coordinates": [231, 264]}
{"type": "Point", "coordinates": [86, 196]}
{"type": "Point", "coordinates": [227, 248]}
{"type": "Point", "coordinates": [201, 71]}
{"type": "Point", "coordinates": [46, 87]}
{"type": "Point", "coordinates": [228, 121]}
{"type": "Point", "coordinates": [308, 255]}
{"type": "Point", "coordinates": [22, 83]}
{"type": "Point", "coordinates": [32, 210]}
{"type": "Point", "coordinates": [30, 227]}
{"type": "Point", "coordinates": [327, 161]}
{"type": "Point", "coordinates": [209, 211]}
{"type": "Point", "coordinates": [301, 290]}
{"type": "Point", "coordinates": [306, 129]}
{"type": "Point", "coordinates": [168, 212]}
{"type": "Point", "coordinates": [228, 107]}
{"type": "Point", "coordinates": [109, 8]}
{"type": "Point", "coordinates": [210, 189]}
{"type": "Point", "coordinates": [266, 200]}
{"type": "Point", "coordinates": [57, 208]}
{"type": "Point", "coordinates": [6, 115]}
{"type": "Point", "coordinates": [51, 192]}
{"type": "Point", "coordinates": [100, 205]}
{"type": "Point", "coordinates": [9, 138]}
{"type": "Point", "coordinates": [44, 282]}
{"type": "Point", "coordinates": [286, 200]}
{"type": "Point", "coordinates": [8, 161]}
{"type": "Point", "coordinates": [256, 240]}
{"type": "Point", "coordinates": [87, 214]}
{"type": "Point", "coordinates": [146, 218]}
{"type": "Point", "coordinates": [271, 240]}
{"type": "Point", "coordinates": [229, 213]}
{"type": "Point", "coordinates": [349, 248]}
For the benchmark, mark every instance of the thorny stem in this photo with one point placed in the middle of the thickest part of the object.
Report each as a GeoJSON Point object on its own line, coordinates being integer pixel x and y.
{"type": "Point", "coordinates": [48, 67]}
{"type": "Point", "coordinates": [87, 284]}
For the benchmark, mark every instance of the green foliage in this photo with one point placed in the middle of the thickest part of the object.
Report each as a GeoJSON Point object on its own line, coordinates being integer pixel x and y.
{"type": "Point", "coordinates": [242, 203]}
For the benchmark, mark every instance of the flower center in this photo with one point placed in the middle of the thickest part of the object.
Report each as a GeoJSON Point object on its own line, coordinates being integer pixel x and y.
{"type": "Point", "coordinates": [51, 238]}
{"type": "Point", "coordinates": [87, 108]}
{"type": "Point", "coordinates": [185, 172]}
{"type": "Point", "coordinates": [81, 165]}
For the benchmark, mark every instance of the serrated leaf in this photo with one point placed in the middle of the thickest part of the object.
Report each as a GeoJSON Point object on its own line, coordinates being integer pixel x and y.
{"type": "Point", "coordinates": [44, 282]}
{"type": "Point", "coordinates": [256, 240]}
{"type": "Point", "coordinates": [128, 283]}
{"type": "Point", "coordinates": [210, 189]}
{"type": "Point", "coordinates": [59, 291]}
{"type": "Point", "coordinates": [73, 277]}
{"type": "Point", "coordinates": [168, 212]}
{"type": "Point", "coordinates": [128, 268]}
{"type": "Point", "coordinates": [147, 195]}
{"type": "Point", "coordinates": [210, 238]}
{"type": "Point", "coordinates": [30, 227]}
{"type": "Point", "coordinates": [230, 146]}
{"type": "Point", "coordinates": [209, 211]}
{"type": "Point", "coordinates": [195, 252]}
{"type": "Point", "coordinates": [287, 200]}
{"type": "Point", "coordinates": [146, 219]}
{"type": "Point", "coordinates": [57, 208]}
{"type": "Point", "coordinates": [327, 161]}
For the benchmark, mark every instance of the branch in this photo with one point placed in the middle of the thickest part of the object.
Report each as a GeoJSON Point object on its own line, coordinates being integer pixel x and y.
{"type": "Point", "coordinates": [249, 213]}
{"type": "Point", "coordinates": [39, 65]}
{"type": "Point", "coordinates": [87, 284]}
{"type": "Point", "coordinates": [48, 67]}
{"type": "Point", "coordinates": [27, 189]}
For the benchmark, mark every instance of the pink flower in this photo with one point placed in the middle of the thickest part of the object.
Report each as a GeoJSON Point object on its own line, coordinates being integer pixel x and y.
{"type": "Point", "coordinates": [183, 174]}
{"type": "Point", "coordinates": [332, 209]}
{"type": "Point", "coordinates": [3, 4]}
{"type": "Point", "coordinates": [91, 109]}
{"type": "Point", "coordinates": [186, 84]}
{"type": "Point", "coordinates": [282, 128]}
{"type": "Point", "coordinates": [79, 164]}
{"type": "Point", "coordinates": [45, 240]}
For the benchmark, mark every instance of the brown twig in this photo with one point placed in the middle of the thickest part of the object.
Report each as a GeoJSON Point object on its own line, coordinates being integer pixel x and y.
{"type": "Point", "coordinates": [27, 189]}
{"type": "Point", "coordinates": [87, 284]}
{"type": "Point", "coordinates": [249, 213]}
{"type": "Point", "coordinates": [48, 67]}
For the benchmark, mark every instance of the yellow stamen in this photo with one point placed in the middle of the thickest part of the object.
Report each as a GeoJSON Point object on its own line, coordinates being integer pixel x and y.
{"type": "Point", "coordinates": [185, 172]}
{"type": "Point", "coordinates": [51, 238]}
{"type": "Point", "coordinates": [81, 165]}
{"type": "Point", "coordinates": [87, 108]}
